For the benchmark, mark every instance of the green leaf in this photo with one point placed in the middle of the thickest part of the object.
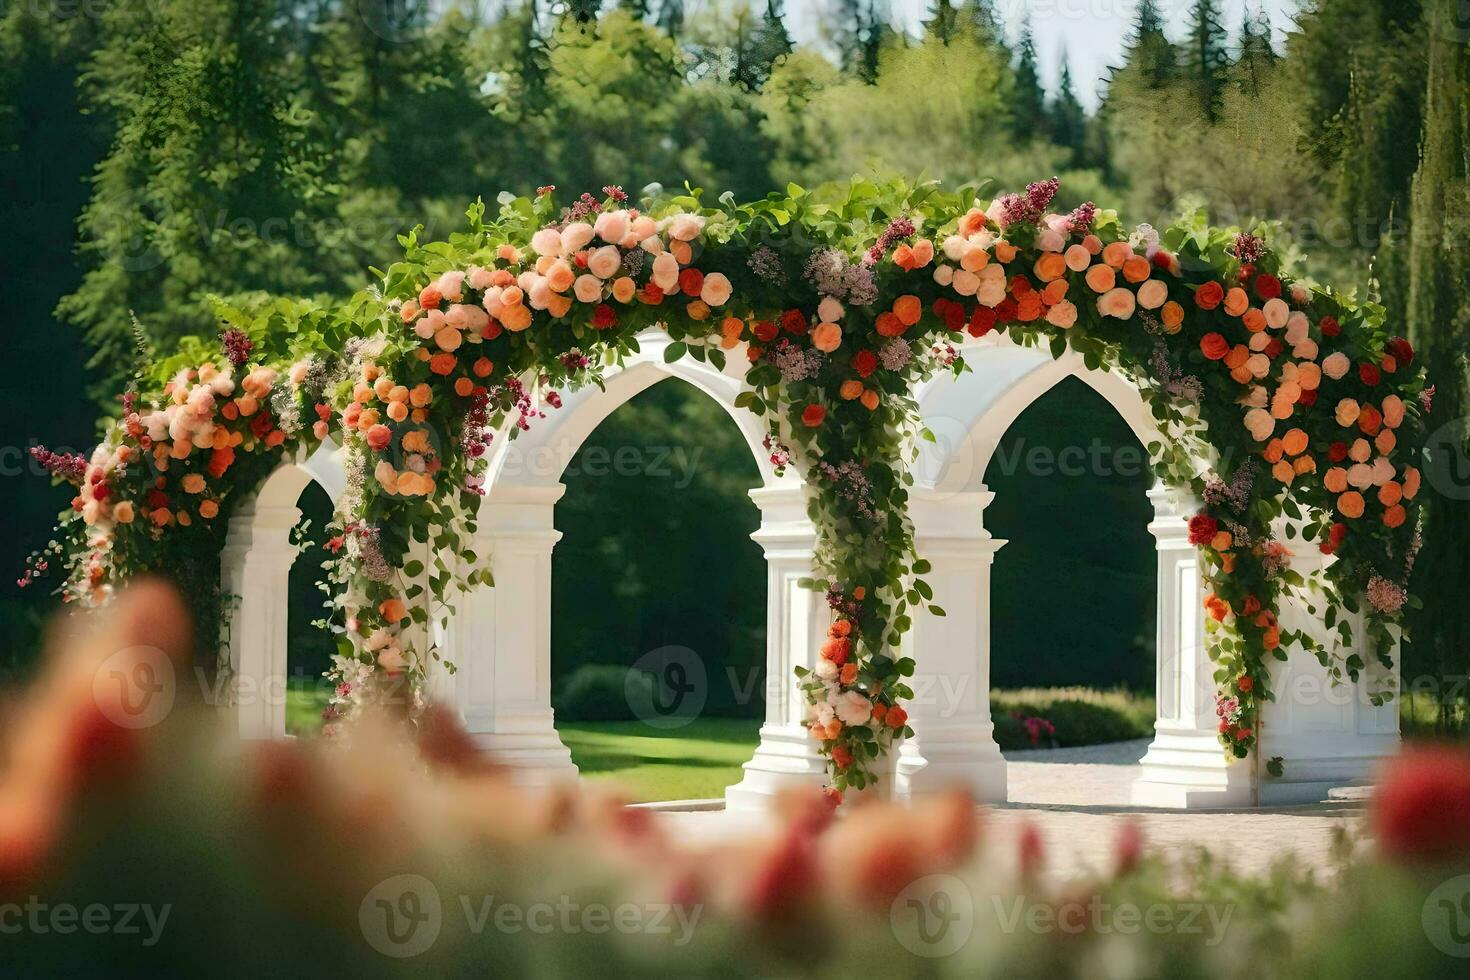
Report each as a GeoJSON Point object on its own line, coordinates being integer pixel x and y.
{"type": "Point", "coordinates": [675, 351]}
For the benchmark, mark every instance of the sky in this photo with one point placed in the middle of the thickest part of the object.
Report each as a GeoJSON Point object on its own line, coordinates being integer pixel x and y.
{"type": "Point", "coordinates": [1090, 32]}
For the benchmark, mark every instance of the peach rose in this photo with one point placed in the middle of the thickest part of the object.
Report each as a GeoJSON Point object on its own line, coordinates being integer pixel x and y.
{"type": "Point", "coordinates": [194, 483]}
{"type": "Point", "coordinates": [1152, 294]}
{"type": "Point", "coordinates": [1050, 266]}
{"type": "Point", "coordinates": [605, 262]}
{"type": "Point", "coordinates": [826, 337]}
{"type": "Point", "coordinates": [1101, 278]}
{"type": "Point", "coordinates": [1347, 412]}
{"type": "Point", "coordinates": [623, 289]}
{"type": "Point", "coordinates": [123, 512]}
{"type": "Point", "coordinates": [1118, 302]}
{"type": "Point", "coordinates": [575, 236]}
{"type": "Point", "coordinates": [1393, 411]}
{"type": "Point", "coordinates": [1077, 258]}
{"type": "Point", "coordinates": [547, 241]}
{"type": "Point", "coordinates": [1172, 315]}
{"type": "Point", "coordinates": [965, 282]}
{"type": "Point", "coordinates": [1277, 313]}
{"type": "Point", "coordinates": [665, 271]}
{"type": "Point", "coordinates": [716, 290]}
{"type": "Point", "coordinates": [1411, 482]}
{"type": "Point", "coordinates": [1260, 424]}
{"type": "Point", "coordinates": [1336, 365]}
{"type": "Point", "coordinates": [1236, 301]}
{"type": "Point", "coordinates": [944, 274]}
{"type": "Point", "coordinates": [1360, 475]}
{"type": "Point", "coordinates": [207, 509]}
{"type": "Point", "coordinates": [1116, 254]}
{"type": "Point", "coordinates": [588, 288]}
{"type": "Point", "coordinates": [613, 226]}
{"type": "Point", "coordinates": [850, 389]}
{"type": "Point", "coordinates": [829, 309]}
{"type": "Point", "coordinates": [1062, 314]}
{"type": "Point", "coordinates": [685, 227]}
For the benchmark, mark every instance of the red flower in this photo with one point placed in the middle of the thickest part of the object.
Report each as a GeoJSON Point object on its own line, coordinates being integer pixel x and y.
{"type": "Point", "coordinates": [765, 331]}
{"type": "Point", "coordinates": [604, 316]}
{"type": "Point", "coordinates": [323, 411]}
{"type": "Point", "coordinates": [952, 313]}
{"type": "Point", "coordinates": [1334, 539]}
{"type": "Point", "coordinates": [1202, 528]}
{"type": "Point", "coordinates": [1245, 684]}
{"type": "Point", "coordinates": [1402, 351]}
{"type": "Point", "coordinates": [691, 281]}
{"type": "Point", "coordinates": [812, 415]}
{"type": "Point", "coordinates": [1247, 272]}
{"type": "Point", "coordinates": [1368, 374]}
{"type": "Point", "coordinates": [1419, 811]}
{"type": "Point", "coordinates": [1337, 452]}
{"type": "Point", "coordinates": [1308, 398]}
{"type": "Point", "coordinates": [1268, 286]}
{"type": "Point", "coordinates": [1330, 326]}
{"type": "Point", "coordinates": [842, 756]}
{"type": "Point", "coordinates": [865, 362]}
{"type": "Point", "coordinates": [1007, 310]}
{"type": "Point", "coordinates": [794, 321]}
{"type": "Point", "coordinates": [1209, 295]}
{"type": "Point", "coordinates": [982, 321]}
{"type": "Point", "coordinates": [1274, 347]}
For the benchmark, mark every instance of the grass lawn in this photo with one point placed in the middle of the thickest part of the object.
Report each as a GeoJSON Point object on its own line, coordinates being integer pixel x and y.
{"type": "Point", "coordinates": [696, 761]}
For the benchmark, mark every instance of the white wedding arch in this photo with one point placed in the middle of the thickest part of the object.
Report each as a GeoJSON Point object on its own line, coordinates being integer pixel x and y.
{"type": "Point", "coordinates": [500, 638]}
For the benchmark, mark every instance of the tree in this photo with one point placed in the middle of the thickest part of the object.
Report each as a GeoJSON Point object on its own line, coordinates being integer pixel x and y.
{"type": "Point", "coordinates": [1257, 53]}
{"type": "Point", "coordinates": [1146, 49]}
{"type": "Point", "coordinates": [1030, 98]}
{"type": "Point", "coordinates": [1068, 119]}
{"type": "Point", "coordinates": [1205, 58]}
{"type": "Point", "coordinates": [943, 22]}
{"type": "Point", "coordinates": [1439, 315]}
{"type": "Point", "coordinates": [671, 17]}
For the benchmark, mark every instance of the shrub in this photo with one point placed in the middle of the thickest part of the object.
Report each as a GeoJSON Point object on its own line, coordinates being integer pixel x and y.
{"type": "Point", "coordinates": [1082, 716]}
{"type": "Point", "coordinates": [598, 692]}
{"type": "Point", "coordinates": [1085, 723]}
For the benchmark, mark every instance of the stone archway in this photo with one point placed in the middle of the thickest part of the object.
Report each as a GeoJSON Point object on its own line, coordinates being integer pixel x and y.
{"type": "Point", "coordinates": [1326, 735]}
{"type": "Point", "coordinates": [255, 571]}
{"type": "Point", "coordinates": [500, 638]}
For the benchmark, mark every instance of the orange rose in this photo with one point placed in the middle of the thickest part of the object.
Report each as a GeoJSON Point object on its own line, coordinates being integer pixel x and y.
{"type": "Point", "coordinates": [1101, 278]}
{"type": "Point", "coordinates": [908, 309]}
{"type": "Point", "coordinates": [889, 325]}
{"type": "Point", "coordinates": [1350, 504]}
{"type": "Point", "coordinates": [208, 509]}
{"type": "Point", "coordinates": [443, 363]}
{"type": "Point", "coordinates": [1395, 515]}
{"type": "Point", "coordinates": [851, 388]}
{"type": "Point", "coordinates": [393, 610]}
{"type": "Point", "coordinates": [1172, 315]}
{"type": "Point", "coordinates": [1050, 266]}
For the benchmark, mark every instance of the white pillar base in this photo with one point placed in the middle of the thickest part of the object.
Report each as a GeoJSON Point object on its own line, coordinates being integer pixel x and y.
{"type": "Point", "coordinates": [943, 758]}
{"type": "Point", "coordinates": [786, 759]}
{"type": "Point", "coordinates": [1187, 769]}
{"type": "Point", "coordinates": [526, 742]}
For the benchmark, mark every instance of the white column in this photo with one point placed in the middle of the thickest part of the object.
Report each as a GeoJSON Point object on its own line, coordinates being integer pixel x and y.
{"type": "Point", "coordinates": [255, 571]}
{"type": "Point", "coordinates": [954, 741]}
{"type": "Point", "coordinates": [1186, 766]}
{"type": "Point", "coordinates": [796, 626]}
{"type": "Point", "coordinates": [1326, 734]}
{"type": "Point", "coordinates": [500, 639]}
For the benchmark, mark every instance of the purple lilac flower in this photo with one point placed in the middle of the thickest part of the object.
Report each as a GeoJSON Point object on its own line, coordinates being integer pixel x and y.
{"type": "Point", "coordinates": [69, 466]}
{"type": "Point", "coordinates": [795, 363]}
{"type": "Point", "coordinates": [898, 229]}
{"type": "Point", "coordinates": [237, 346]}
{"type": "Point", "coordinates": [1385, 596]}
{"type": "Point", "coordinates": [1082, 218]}
{"type": "Point", "coordinates": [618, 195]}
{"type": "Point", "coordinates": [852, 485]}
{"type": "Point", "coordinates": [860, 286]}
{"type": "Point", "coordinates": [1236, 493]}
{"type": "Point", "coordinates": [825, 269]}
{"type": "Point", "coordinates": [1247, 248]}
{"type": "Point", "coordinates": [895, 354]}
{"type": "Point", "coordinates": [766, 264]}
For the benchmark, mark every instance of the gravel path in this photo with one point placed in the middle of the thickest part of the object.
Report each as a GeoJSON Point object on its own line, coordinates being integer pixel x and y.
{"type": "Point", "coordinates": [1078, 800]}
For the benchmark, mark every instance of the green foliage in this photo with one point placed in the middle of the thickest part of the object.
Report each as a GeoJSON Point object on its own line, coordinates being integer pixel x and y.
{"type": "Point", "coordinates": [599, 692]}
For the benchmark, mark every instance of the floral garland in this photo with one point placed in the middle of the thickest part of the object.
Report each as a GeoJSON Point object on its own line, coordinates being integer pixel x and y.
{"type": "Point", "coordinates": [1284, 405]}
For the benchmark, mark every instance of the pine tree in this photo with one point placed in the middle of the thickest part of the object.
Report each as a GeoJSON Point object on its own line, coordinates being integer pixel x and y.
{"type": "Point", "coordinates": [1257, 55]}
{"type": "Point", "coordinates": [862, 30]}
{"type": "Point", "coordinates": [1439, 315]}
{"type": "Point", "coordinates": [981, 18]}
{"type": "Point", "coordinates": [756, 48]}
{"type": "Point", "coordinates": [1205, 56]}
{"type": "Point", "coordinates": [671, 17]}
{"type": "Point", "coordinates": [1147, 50]}
{"type": "Point", "coordinates": [943, 22]}
{"type": "Point", "coordinates": [637, 9]}
{"type": "Point", "coordinates": [1030, 98]}
{"type": "Point", "coordinates": [1068, 118]}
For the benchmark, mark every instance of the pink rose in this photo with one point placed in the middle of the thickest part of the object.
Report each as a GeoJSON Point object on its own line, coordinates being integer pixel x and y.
{"type": "Point", "coordinates": [1062, 314]}
{"type": "Point", "coordinates": [451, 286]}
{"type": "Point", "coordinates": [685, 227]}
{"type": "Point", "coordinates": [613, 226]}
{"type": "Point", "coordinates": [1336, 365]}
{"type": "Point", "coordinates": [547, 241]}
{"type": "Point", "coordinates": [716, 290]}
{"type": "Point", "coordinates": [480, 278]}
{"type": "Point", "coordinates": [1152, 294]}
{"type": "Point", "coordinates": [1277, 313]}
{"type": "Point", "coordinates": [463, 317]}
{"type": "Point", "coordinates": [588, 288]}
{"type": "Point", "coordinates": [575, 236]}
{"type": "Point", "coordinates": [1117, 302]}
{"type": "Point", "coordinates": [665, 271]}
{"type": "Point", "coordinates": [605, 262]}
